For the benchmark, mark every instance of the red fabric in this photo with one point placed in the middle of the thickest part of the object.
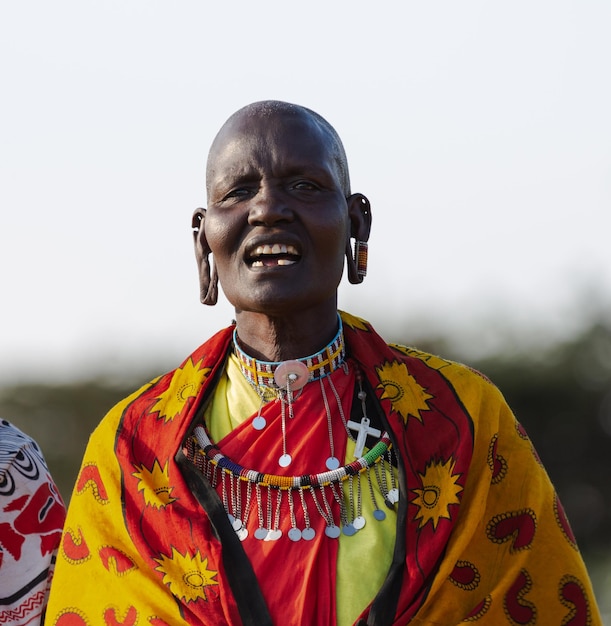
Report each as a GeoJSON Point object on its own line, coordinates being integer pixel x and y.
{"type": "Point", "coordinates": [31, 518]}
{"type": "Point", "coordinates": [447, 433]}
{"type": "Point", "coordinates": [486, 539]}
{"type": "Point", "coordinates": [309, 591]}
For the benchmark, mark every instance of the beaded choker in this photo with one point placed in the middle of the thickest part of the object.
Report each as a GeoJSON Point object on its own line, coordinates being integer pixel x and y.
{"type": "Point", "coordinates": [319, 365]}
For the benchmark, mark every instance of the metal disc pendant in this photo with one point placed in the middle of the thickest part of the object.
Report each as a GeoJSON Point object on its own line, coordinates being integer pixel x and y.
{"type": "Point", "coordinates": [261, 533]}
{"type": "Point", "coordinates": [285, 460]}
{"type": "Point", "coordinates": [231, 519]}
{"type": "Point", "coordinates": [273, 535]}
{"type": "Point", "coordinates": [359, 522]}
{"type": "Point", "coordinates": [348, 530]}
{"type": "Point", "coordinates": [294, 534]}
{"type": "Point", "coordinates": [242, 533]}
{"type": "Point", "coordinates": [393, 495]}
{"type": "Point", "coordinates": [332, 463]}
{"type": "Point", "coordinates": [379, 515]}
{"type": "Point", "coordinates": [259, 423]}
{"type": "Point", "coordinates": [308, 534]}
{"type": "Point", "coordinates": [333, 532]}
{"type": "Point", "coordinates": [291, 374]}
{"type": "Point", "coordinates": [237, 525]}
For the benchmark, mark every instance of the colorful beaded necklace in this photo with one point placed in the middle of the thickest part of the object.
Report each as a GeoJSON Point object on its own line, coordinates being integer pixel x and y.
{"type": "Point", "coordinates": [244, 490]}
{"type": "Point", "coordinates": [263, 373]}
{"type": "Point", "coordinates": [238, 485]}
{"type": "Point", "coordinates": [283, 380]}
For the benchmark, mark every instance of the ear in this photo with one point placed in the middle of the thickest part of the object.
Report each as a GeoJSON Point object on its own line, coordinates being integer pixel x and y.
{"type": "Point", "coordinates": [359, 211]}
{"type": "Point", "coordinates": [208, 278]}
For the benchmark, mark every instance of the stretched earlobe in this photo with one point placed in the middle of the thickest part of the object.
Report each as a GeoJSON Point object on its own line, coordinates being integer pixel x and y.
{"type": "Point", "coordinates": [208, 277]}
{"type": "Point", "coordinates": [360, 219]}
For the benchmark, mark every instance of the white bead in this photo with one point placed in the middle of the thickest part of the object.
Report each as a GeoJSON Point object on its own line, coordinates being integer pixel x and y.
{"type": "Point", "coordinates": [285, 460]}
{"type": "Point", "coordinates": [332, 463]}
{"type": "Point", "coordinates": [332, 531]}
{"type": "Point", "coordinates": [259, 423]}
{"type": "Point", "coordinates": [273, 535]}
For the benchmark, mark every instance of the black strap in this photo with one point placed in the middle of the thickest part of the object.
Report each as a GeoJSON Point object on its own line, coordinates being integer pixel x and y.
{"type": "Point", "coordinates": [241, 577]}
{"type": "Point", "coordinates": [384, 605]}
{"type": "Point", "coordinates": [242, 580]}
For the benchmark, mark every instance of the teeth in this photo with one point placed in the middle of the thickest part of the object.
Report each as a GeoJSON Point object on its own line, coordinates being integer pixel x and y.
{"type": "Point", "coordinates": [278, 262]}
{"type": "Point", "coordinates": [277, 248]}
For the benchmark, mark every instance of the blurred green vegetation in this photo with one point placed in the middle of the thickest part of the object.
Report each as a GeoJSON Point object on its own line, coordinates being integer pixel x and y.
{"type": "Point", "coordinates": [562, 395]}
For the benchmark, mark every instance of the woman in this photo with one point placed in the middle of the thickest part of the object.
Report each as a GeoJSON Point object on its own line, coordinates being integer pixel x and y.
{"type": "Point", "coordinates": [32, 514]}
{"type": "Point", "coordinates": [295, 469]}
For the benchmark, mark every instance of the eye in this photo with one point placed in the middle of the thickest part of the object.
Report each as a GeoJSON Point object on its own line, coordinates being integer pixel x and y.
{"type": "Point", "coordinates": [238, 193]}
{"type": "Point", "coordinates": [305, 185]}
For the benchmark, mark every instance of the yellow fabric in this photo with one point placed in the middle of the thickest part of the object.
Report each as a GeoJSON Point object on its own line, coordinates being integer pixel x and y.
{"type": "Point", "coordinates": [364, 561]}
{"type": "Point", "coordinates": [234, 400]}
{"type": "Point", "coordinates": [523, 486]}
{"type": "Point", "coordinates": [138, 548]}
{"type": "Point", "coordinates": [84, 583]}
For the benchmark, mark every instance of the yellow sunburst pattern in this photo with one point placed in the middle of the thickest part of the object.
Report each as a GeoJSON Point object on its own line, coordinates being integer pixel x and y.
{"type": "Point", "coordinates": [407, 397]}
{"type": "Point", "coordinates": [354, 322]}
{"type": "Point", "coordinates": [439, 491]}
{"type": "Point", "coordinates": [155, 485]}
{"type": "Point", "coordinates": [188, 577]}
{"type": "Point", "coordinates": [186, 383]}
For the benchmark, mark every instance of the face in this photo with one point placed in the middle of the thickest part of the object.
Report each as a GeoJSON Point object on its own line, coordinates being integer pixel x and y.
{"type": "Point", "coordinates": [277, 221]}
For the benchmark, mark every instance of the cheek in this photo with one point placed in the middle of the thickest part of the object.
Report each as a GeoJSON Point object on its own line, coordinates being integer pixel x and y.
{"type": "Point", "coordinates": [217, 233]}
{"type": "Point", "coordinates": [333, 239]}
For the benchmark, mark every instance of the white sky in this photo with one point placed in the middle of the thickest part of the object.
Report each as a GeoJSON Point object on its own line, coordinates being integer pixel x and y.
{"type": "Point", "coordinates": [480, 131]}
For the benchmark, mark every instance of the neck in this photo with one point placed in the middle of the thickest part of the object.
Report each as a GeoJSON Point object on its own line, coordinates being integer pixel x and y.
{"type": "Point", "coordinates": [271, 338]}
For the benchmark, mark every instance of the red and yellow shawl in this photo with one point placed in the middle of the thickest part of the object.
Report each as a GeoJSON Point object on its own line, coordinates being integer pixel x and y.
{"type": "Point", "coordinates": [481, 535]}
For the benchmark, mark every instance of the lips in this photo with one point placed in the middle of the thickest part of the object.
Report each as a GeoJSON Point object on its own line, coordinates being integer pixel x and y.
{"type": "Point", "coordinates": [273, 254]}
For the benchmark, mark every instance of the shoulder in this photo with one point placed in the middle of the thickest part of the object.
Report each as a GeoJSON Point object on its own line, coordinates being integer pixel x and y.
{"type": "Point", "coordinates": [389, 360]}
{"type": "Point", "coordinates": [449, 368]}
{"type": "Point", "coordinates": [113, 418]}
{"type": "Point", "coordinates": [11, 436]}
{"type": "Point", "coordinates": [163, 403]}
{"type": "Point", "coordinates": [17, 447]}
{"type": "Point", "coordinates": [472, 386]}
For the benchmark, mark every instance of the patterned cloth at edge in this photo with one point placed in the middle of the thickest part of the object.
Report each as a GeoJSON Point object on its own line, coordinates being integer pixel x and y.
{"type": "Point", "coordinates": [481, 536]}
{"type": "Point", "coordinates": [31, 518]}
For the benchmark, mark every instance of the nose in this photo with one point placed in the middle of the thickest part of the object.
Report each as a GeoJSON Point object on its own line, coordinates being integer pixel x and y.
{"type": "Point", "coordinates": [269, 206]}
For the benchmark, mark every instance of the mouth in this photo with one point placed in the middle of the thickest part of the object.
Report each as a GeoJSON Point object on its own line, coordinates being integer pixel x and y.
{"type": "Point", "coordinates": [273, 255]}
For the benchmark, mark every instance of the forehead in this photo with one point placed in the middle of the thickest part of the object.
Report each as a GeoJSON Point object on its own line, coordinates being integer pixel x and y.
{"type": "Point", "coordinates": [272, 142]}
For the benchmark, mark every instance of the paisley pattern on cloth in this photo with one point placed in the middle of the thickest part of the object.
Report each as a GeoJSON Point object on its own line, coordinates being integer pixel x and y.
{"type": "Point", "coordinates": [481, 536]}
{"type": "Point", "coordinates": [31, 518]}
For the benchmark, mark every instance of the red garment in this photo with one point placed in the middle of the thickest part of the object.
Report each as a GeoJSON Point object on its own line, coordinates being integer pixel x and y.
{"type": "Point", "coordinates": [481, 535]}
{"type": "Point", "coordinates": [310, 588]}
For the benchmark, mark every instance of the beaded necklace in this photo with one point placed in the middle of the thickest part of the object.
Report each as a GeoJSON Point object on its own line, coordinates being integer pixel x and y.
{"type": "Point", "coordinates": [263, 373]}
{"type": "Point", "coordinates": [283, 380]}
{"type": "Point", "coordinates": [220, 470]}
{"type": "Point", "coordinates": [335, 494]}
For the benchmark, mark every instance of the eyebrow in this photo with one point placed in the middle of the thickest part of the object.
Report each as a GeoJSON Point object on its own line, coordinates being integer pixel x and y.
{"type": "Point", "coordinates": [250, 174]}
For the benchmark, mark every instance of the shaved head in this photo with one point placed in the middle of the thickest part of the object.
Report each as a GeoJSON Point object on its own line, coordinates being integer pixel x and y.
{"type": "Point", "coordinates": [267, 110]}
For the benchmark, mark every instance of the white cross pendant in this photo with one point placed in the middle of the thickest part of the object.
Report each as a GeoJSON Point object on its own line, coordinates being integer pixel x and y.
{"type": "Point", "coordinates": [363, 430]}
